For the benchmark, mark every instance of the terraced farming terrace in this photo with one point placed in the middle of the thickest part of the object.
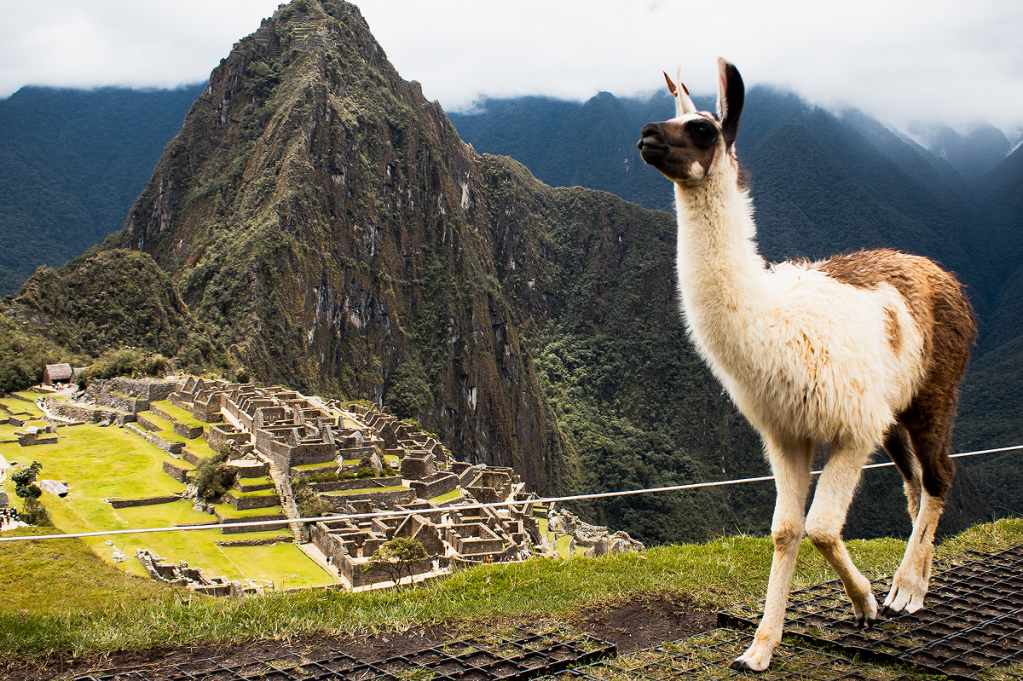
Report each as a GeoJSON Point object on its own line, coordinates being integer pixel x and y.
{"type": "Point", "coordinates": [132, 455]}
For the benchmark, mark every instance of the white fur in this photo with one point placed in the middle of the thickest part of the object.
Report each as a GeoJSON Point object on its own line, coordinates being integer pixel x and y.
{"type": "Point", "coordinates": [807, 359]}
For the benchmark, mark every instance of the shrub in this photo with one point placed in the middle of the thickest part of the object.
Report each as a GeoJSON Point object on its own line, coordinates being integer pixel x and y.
{"type": "Point", "coordinates": [213, 476]}
{"type": "Point", "coordinates": [33, 512]}
{"type": "Point", "coordinates": [310, 504]}
{"type": "Point", "coordinates": [125, 362]}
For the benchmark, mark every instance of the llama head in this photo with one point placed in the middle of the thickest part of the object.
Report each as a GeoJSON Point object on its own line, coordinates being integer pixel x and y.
{"type": "Point", "coordinates": [695, 144]}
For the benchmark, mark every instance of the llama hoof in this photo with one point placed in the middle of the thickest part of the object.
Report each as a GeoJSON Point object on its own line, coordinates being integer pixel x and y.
{"type": "Point", "coordinates": [865, 622]}
{"type": "Point", "coordinates": [865, 612]}
{"type": "Point", "coordinates": [741, 665]}
{"type": "Point", "coordinates": [752, 660]}
{"type": "Point", "coordinates": [906, 596]}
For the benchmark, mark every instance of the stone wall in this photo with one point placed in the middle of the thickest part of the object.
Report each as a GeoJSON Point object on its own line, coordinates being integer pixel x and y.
{"type": "Point", "coordinates": [392, 498]}
{"type": "Point", "coordinates": [87, 414]}
{"type": "Point", "coordinates": [145, 501]}
{"type": "Point", "coordinates": [190, 432]}
{"type": "Point", "coordinates": [151, 426]}
{"type": "Point", "coordinates": [251, 519]}
{"type": "Point", "coordinates": [358, 483]}
{"type": "Point", "coordinates": [243, 503]}
{"type": "Point", "coordinates": [172, 447]}
{"type": "Point", "coordinates": [435, 485]}
{"type": "Point", "coordinates": [146, 389]}
{"type": "Point", "coordinates": [177, 471]}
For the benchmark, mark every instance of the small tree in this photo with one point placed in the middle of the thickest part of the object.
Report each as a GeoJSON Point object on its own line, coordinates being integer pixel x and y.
{"type": "Point", "coordinates": [213, 476]}
{"type": "Point", "coordinates": [24, 487]}
{"type": "Point", "coordinates": [309, 503]}
{"type": "Point", "coordinates": [396, 557]}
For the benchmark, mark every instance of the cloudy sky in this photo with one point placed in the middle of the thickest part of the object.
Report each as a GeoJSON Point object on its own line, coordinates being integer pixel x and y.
{"type": "Point", "coordinates": [932, 61]}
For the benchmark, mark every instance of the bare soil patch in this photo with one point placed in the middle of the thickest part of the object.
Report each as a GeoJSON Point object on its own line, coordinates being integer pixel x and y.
{"type": "Point", "coordinates": [634, 624]}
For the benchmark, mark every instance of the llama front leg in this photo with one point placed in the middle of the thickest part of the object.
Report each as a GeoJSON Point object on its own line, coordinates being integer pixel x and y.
{"type": "Point", "coordinates": [826, 518]}
{"type": "Point", "coordinates": [791, 466]}
{"type": "Point", "coordinates": [909, 586]}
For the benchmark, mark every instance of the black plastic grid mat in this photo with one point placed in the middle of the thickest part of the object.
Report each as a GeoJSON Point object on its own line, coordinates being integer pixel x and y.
{"type": "Point", "coordinates": [970, 628]}
{"type": "Point", "coordinates": [707, 656]}
{"type": "Point", "coordinates": [519, 655]}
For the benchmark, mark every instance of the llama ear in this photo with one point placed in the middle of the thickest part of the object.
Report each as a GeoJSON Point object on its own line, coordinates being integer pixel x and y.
{"type": "Point", "coordinates": [731, 96]}
{"type": "Point", "coordinates": [683, 104]}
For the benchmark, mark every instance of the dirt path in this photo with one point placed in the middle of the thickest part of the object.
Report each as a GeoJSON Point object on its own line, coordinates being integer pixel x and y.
{"type": "Point", "coordinates": [640, 622]}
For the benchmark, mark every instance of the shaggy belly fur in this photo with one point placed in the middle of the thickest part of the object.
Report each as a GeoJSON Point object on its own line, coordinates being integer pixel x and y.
{"type": "Point", "coordinates": [797, 374]}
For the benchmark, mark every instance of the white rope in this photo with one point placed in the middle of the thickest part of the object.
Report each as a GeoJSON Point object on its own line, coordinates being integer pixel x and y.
{"type": "Point", "coordinates": [460, 507]}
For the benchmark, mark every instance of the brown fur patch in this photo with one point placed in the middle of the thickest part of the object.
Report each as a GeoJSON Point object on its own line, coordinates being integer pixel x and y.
{"type": "Point", "coordinates": [939, 307]}
{"type": "Point", "coordinates": [891, 327]}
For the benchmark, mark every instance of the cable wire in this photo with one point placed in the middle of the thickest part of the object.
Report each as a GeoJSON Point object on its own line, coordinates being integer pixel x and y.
{"type": "Point", "coordinates": [460, 507]}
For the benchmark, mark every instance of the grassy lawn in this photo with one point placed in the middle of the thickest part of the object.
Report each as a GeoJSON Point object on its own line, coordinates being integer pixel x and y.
{"type": "Point", "coordinates": [715, 574]}
{"type": "Point", "coordinates": [269, 492]}
{"type": "Point", "coordinates": [366, 490]}
{"type": "Point", "coordinates": [17, 407]}
{"type": "Point", "coordinates": [453, 494]}
{"type": "Point", "coordinates": [228, 511]}
{"type": "Point", "coordinates": [106, 462]}
{"type": "Point", "coordinates": [179, 414]}
{"type": "Point", "coordinates": [162, 424]}
{"type": "Point", "coordinates": [32, 394]}
{"type": "Point", "coordinates": [329, 465]}
{"type": "Point", "coordinates": [8, 432]}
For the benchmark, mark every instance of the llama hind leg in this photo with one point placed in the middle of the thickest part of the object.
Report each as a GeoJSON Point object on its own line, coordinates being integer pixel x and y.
{"type": "Point", "coordinates": [930, 452]}
{"type": "Point", "coordinates": [791, 466]}
{"type": "Point", "coordinates": [827, 517]}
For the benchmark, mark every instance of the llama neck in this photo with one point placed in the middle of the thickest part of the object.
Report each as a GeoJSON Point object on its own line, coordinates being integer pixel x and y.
{"type": "Point", "coordinates": [722, 278]}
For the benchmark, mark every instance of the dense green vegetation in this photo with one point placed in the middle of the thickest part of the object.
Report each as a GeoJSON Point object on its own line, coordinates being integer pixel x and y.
{"type": "Point", "coordinates": [329, 231]}
{"type": "Point", "coordinates": [103, 614]}
{"type": "Point", "coordinates": [822, 184]}
{"type": "Point", "coordinates": [113, 311]}
{"type": "Point", "coordinates": [74, 160]}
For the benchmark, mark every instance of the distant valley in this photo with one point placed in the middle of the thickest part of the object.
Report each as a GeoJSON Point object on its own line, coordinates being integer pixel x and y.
{"type": "Point", "coordinates": [317, 223]}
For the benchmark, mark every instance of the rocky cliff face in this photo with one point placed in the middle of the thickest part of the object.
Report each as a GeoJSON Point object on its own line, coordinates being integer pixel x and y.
{"type": "Point", "coordinates": [328, 219]}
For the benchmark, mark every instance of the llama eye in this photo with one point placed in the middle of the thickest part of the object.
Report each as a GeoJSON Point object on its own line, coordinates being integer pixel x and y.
{"type": "Point", "coordinates": [702, 134]}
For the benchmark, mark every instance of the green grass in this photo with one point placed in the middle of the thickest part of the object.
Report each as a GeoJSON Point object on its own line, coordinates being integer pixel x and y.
{"type": "Point", "coordinates": [228, 511]}
{"type": "Point", "coordinates": [258, 480]}
{"type": "Point", "coordinates": [453, 494]}
{"type": "Point", "coordinates": [713, 575]}
{"type": "Point", "coordinates": [18, 407]}
{"type": "Point", "coordinates": [368, 490]}
{"type": "Point", "coordinates": [60, 576]}
{"type": "Point", "coordinates": [316, 466]}
{"type": "Point", "coordinates": [162, 424]}
{"type": "Point", "coordinates": [269, 492]}
{"type": "Point", "coordinates": [179, 414]}
{"type": "Point", "coordinates": [110, 462]}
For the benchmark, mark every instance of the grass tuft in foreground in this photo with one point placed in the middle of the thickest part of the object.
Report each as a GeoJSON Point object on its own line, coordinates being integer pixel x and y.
{"type": "Point", "coordinates": [113, 611]}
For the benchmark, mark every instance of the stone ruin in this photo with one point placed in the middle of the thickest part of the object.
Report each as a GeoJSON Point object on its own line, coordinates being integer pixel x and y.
{"type": "Point", "coordinates": [194, 579]}
{"type": "Point", "coordinates": [361, 460]}
{"type": "Point", "coordinates": [597, 539]}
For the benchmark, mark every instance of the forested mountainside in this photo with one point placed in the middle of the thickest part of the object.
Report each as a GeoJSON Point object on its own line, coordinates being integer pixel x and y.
{"type": "Point", "coordinates": [326, 228]}
{"type": "Point", "coordinates": [824, 184]}
{"type": "Point", "coordinates": [73, 163]}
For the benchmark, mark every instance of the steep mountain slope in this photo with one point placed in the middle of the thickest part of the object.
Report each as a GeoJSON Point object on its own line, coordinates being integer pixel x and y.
{"type": "Point", "coordinates": [326, 224]}
{"type": "Point", "coordinates": [820, 184]}
{"type": "Point", "coordinates": [331, 224]}
{"type": "Point", "coordinates": [73, 162]}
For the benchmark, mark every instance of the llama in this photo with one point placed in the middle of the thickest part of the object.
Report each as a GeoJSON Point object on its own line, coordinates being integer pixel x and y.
{"type": "Point", "coordinates": [861, 350]}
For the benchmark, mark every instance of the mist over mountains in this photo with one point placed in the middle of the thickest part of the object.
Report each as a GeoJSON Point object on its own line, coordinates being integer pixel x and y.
{"type": "Point", "coordinates": [328, 228]}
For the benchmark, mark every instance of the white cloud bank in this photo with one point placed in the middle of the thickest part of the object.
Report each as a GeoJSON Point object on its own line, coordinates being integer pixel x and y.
{"type": "Point", "coordinates": [932, 61]}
